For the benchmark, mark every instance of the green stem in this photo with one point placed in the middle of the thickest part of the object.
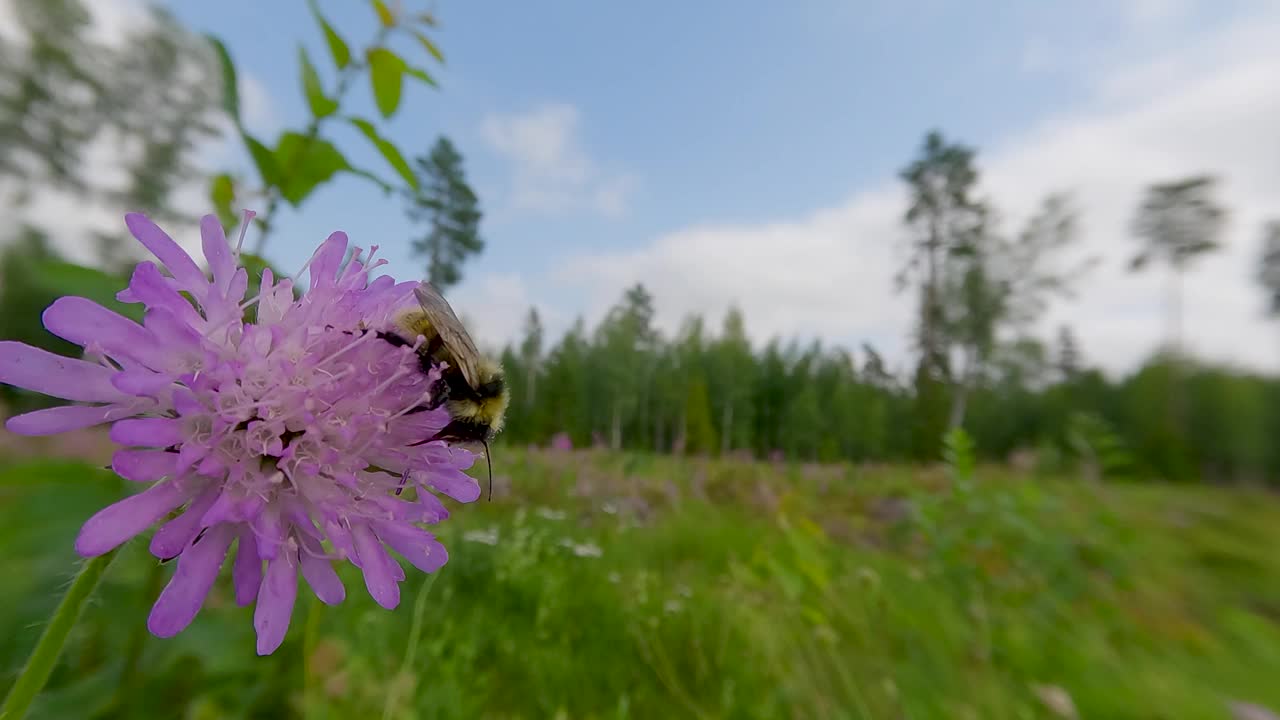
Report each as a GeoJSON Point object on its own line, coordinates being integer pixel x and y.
{"type": "Point", "coordinates": [310, 637]}
{"type": "Point", "coordinates": [415, 633]}
{"type": "Point", "coordinates": [45, 655]}
{"type": "Point", "coordinates": [126, 689]}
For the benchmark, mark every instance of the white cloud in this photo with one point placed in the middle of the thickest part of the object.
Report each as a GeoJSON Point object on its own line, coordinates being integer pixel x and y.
{"type": "Point", "coordinates": [1208, 106]}
{"type": "Point", "coordinates": [257, 109]}
{"type": "Point", "coordinates": [1144, 13]}
{"type": "Point", "coordinates": [551, 171]}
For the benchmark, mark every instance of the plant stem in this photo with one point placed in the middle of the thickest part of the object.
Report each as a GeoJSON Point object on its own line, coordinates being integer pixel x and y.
{"type": "Point", "coordinates": [137, 642]}
{"type": "Point", "coordinates": [415, 633]}
{"type": "Point", "coordinates": [49, 647]}
{"type": "Point", "coordinates": [310, 637]}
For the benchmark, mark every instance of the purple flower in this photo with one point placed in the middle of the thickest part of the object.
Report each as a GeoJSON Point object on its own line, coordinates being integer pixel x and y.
{"type": "Point", "coordinates": [290, 437]}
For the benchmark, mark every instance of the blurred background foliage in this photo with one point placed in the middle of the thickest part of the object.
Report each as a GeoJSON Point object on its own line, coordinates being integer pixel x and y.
{"type": "Point", "coordinates": [742, 531]}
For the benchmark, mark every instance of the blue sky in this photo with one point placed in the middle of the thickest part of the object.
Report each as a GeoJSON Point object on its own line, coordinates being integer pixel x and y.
{"type": "Point", "coordinates": [746, 152]}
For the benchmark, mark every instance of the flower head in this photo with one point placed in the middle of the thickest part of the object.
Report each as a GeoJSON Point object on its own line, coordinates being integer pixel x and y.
{"type": "Point", "coordinates": [292, 436]}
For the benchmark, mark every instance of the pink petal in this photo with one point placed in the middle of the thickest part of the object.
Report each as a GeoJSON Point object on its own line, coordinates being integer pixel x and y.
{"type": "Point", "coordinates": [376, 564]}
{"type": "Point", "coordinates": [270, 532]}
{"type": "Point", "coordinates": [144, 465]}
{"type": "Point", "coordinates": [54, 375]}
{"type": "Point", "coordinates": [116, 523]}
{"type": "Point", "coordinates": [247, 572]}
{"type": "Point", "coordinates": [427, 509]}
{"type": "Point", "coordinates": [341, 540]}
{"type": "Point", "coordinates": [417, 546]}
{"type": "Point", "coordinates": [217, 252]}
{"type": "Point", "coordinates": [319, 573]}
{"type": "Point", "coordinates": [141, 382]}
{"type": "Point", "coordinates": [431, 510]}
{"type": "Point", "coordinates": [172, 537]}
{"type": "Point", "coordinates": [150, 288]}
{"type": "Point", "coordinates": [325, 261]}
{"type": "Point", "coordinates": [275, 601]}
{"type": "Point", "coordinates": [175, 259]}
{"type": "Point", "coordinates": [239, 285]}
{"type": "Point", "coordinates": [184, 595]}
{"type": "Point", "coordinates": [52, 421]}
{"type": "Point", "coordinates": [170, 330]}
{"type": "Point", "coordinates": [230, 508]}
{"type": "Point", "coordinates": [87, 323]}
{"type": "Point", "coordinates": [148, 432]}
{"type": "Point", "coordinates": [454, 483]}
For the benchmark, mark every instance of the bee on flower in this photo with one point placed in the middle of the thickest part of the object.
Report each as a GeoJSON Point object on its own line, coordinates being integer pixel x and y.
{"type": "Point", "coordinates": [286, 441]}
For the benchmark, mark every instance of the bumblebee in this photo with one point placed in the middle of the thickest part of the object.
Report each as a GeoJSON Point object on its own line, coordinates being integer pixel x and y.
{"type": "Point", "coordinates": [474, 388]}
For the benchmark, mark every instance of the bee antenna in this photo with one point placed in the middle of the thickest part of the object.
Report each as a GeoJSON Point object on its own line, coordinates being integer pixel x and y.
{"type": "Point", "coordinates": [489, 460]}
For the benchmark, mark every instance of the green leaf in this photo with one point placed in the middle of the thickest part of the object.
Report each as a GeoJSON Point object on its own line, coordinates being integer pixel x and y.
{"type": "Point", "coordinates": [421, 75]}
{"type": "Point", "coordinates": [308, 162]}
{"type": "Point", "coordinates": [386, 72]}
{"type": "Point", "coordinates": [337, 46]}
{"type": "Point", "coordinates": [321, 104]}
{"type": "Point", "coordinates": [263, 159]}
{"type": "Point", "coordinates": [388, 150]}
{"type": "Point", "coordinates": [230, 87]}
{"type": "Point", "coordinates": [430, 46]}
{"type": "Point", "coordinates": [222, 194]}
{"type": "Point", "coordinates": [384, 13]}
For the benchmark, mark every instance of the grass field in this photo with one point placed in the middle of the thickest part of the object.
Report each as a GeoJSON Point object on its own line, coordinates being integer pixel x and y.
{"type": "Point", "coordinates": [610, 586]}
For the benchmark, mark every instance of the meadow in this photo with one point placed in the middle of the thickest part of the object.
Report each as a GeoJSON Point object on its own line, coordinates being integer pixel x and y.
{"type": "Point", "coordinates": [604, 585]}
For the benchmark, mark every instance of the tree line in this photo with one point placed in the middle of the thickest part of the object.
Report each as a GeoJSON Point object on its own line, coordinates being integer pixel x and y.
{"type": "Point", "coordinates": [707, 392]}
{"type": "Point", "coordinates": [982, 293]}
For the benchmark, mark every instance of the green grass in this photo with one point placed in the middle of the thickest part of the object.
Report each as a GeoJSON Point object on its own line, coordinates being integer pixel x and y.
{"type": "Point", "coordinates": [637, 587]}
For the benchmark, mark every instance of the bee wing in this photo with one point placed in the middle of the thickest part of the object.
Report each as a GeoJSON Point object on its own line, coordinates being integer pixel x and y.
{"type": "Point", "coordinates": [452, 333]}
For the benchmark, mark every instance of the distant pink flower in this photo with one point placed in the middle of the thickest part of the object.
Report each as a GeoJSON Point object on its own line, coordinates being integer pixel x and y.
{"type": "Point", "coordinates": [276, 434]}
{"type": "Point", "coordinates": [561, 441]}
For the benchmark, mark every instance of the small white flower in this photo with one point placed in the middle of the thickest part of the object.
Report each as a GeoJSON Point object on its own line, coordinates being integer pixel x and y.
{"type": "Point", "coordinates": [488, 536]}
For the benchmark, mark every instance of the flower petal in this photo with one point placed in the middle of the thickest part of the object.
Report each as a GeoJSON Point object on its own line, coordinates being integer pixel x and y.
{"type": "Point", "coordinates": [217, 252]}
{"type": "Point", "coordinates": [319, 572]}
{"type": "Point", "coordinates": [175, 259]}
{"type": "Point", "coordinates": [171, 330]}
{"type": "Point", "coordinates": [142, 383]}
{"type": "Point", "coordinates": [116, 523]}
{"type": "Point", "coordinates": [52, 421]}
{"type": "Point", "coordinates": [144, 465]}
{"type": "Point", "coordinates": [376, 564]}
{"type": "Point", "coordinates": [324, 263]}
{"type": "Point", "coordinates": [172, 537]}
{"type": "Point", "coordinates": [275, 601]}
{"type": "Point", "coordinates": [454, 483]}
{"type": "Point", "coordinates": [247, 572]}
{"type": "Point", "coordinates": [86, 323]}
{"type": "Point", "coordinates": [152, 289]}
{"type": "Point", "coordinates": [184, 595]}
{"type": "Point", "coordinates": [148, 432]}
{"type": "Point", "coordinates": [55, 375]}
{"type": "Point", "coordinates": [270, 532]}
{"type": "Point", "coordinates": [417, 546]}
